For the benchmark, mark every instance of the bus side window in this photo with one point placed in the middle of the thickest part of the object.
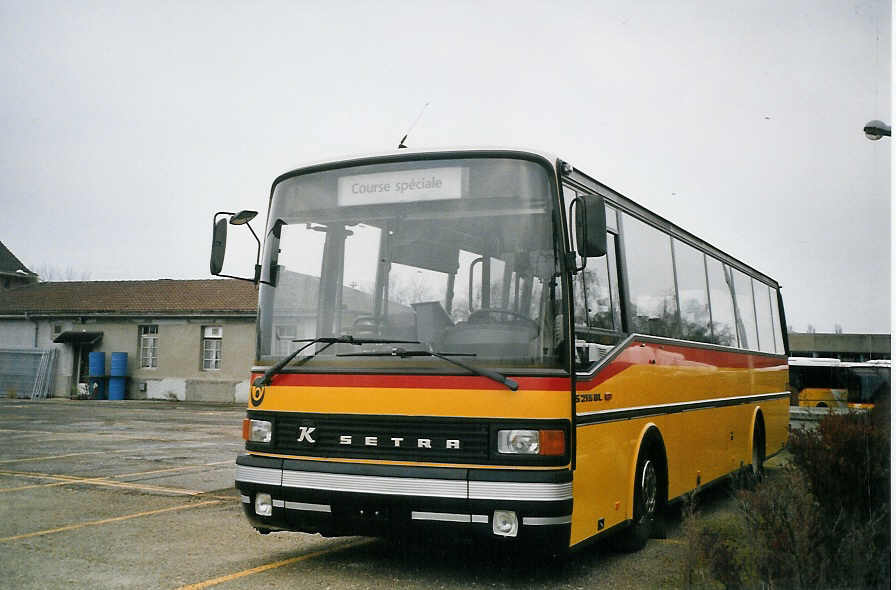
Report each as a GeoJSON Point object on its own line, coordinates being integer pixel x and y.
{"type": "Point", "coordinates": [652, 298]}
{"type": "Point", "coordinates": [765, 323]}
{"type": "Point", "coordinates": [721, 304]}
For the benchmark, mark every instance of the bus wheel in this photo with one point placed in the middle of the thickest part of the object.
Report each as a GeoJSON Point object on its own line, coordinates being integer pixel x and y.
{"type": "Point", "coordinates": [647, 504]}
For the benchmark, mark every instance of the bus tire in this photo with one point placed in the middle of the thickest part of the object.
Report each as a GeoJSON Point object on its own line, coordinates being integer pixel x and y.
{"type": "Point", "coordinates": [758, 455]}
{"type": "Point", "coordinates": [648, 501]}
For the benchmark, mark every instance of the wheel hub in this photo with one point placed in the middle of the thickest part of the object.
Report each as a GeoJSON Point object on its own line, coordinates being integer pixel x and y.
{"type": "Point", "coordinates": [648, 488]}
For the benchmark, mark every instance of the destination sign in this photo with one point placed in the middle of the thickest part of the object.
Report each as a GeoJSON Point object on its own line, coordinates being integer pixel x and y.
{"type": "Point", "coordinates": [404, 186]}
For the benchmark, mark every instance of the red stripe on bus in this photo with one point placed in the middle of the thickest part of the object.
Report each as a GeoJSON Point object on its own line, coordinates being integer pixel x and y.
{"type": "Point", "coordinates": [414, 381]}
{"type": "Point", "coordinates": [648, 353]}
{"type": "Point", "coordinates": [638, 353]}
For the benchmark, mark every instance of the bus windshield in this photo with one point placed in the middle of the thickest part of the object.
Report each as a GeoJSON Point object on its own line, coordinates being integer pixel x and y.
{"type": "Point", "coordinates": [454, 256]}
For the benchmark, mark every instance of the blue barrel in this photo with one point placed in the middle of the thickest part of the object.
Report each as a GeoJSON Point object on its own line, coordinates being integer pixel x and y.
{"type": "Point", "coordinates": [96, 364]}
{"type": "Point", "coordinates": [118, 364]}
{"type": "Point", "coordinates": [116, 388]}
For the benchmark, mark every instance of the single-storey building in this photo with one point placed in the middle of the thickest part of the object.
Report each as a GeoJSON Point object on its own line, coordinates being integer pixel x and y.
{"type": "Point", "coordinates": [846, 347]}
{"type": "Point", "coordinates": [191, 340]}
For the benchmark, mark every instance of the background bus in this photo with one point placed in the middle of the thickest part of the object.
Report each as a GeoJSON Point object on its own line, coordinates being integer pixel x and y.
{"type": "Point", "coordinates": [832, 383]}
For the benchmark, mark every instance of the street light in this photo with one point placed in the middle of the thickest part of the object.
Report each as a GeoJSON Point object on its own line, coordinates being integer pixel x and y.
{"type": "Point", "coordinates": [874, 130]}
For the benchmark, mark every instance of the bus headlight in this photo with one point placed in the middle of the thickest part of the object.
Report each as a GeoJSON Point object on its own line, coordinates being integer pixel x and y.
{"type": "Point", "coordinates": [531, 442]}
{"type": "Point", "coordinates": [518, 442]}
{"type": "Point", "coordinates": [257, 430]}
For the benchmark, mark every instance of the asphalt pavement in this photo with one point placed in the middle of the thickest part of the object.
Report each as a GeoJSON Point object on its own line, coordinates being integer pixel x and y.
{"type": "Point", "coordinates": [139, 494]}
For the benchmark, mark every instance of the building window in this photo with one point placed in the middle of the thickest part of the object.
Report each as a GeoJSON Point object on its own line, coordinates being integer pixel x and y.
{"type": "Point", "coordinates": [149, 347]}
{"type": "Point", "coordinates": [284, 336]}
{"type": "Point", "coordinates": [211, 348]}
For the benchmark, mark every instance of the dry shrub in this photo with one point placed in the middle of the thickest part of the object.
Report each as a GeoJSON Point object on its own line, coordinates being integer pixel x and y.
{"type": "Point", "coordinates": [822, 522]}
{"type": "Point", "coordinates": [781, 524]}
{"type": "Point", "coordinates": [847, 461]}
{"type": "Point", "coordinates": [767, 542]}
{"type": "Point", "coordinates": [716, 558]}
{"type": "Point", "coordinates": [847, 466]}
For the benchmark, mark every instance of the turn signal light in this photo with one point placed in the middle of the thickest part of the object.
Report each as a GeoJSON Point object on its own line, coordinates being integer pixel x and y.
{"type": "Point", "coordinates": [551, 442]}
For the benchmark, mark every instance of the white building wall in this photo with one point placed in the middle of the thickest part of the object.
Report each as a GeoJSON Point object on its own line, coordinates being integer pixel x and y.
{"type": "Point", "coordinates": [17, 333]}
{"type": "Point", "coordinates": [179, 374]}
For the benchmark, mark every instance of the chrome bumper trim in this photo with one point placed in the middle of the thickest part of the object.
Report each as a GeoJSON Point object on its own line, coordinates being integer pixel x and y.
{"type": "Point", "coordinates": [441, 516]}
{"type": "Point", "coordinates": [374, 484]}
{"type": "Point", "coordinates": [511, 490]}
{"type": "Point", "coordinates": [407, 486]}
{"type": "Point", "coordinates": [262, 475]}
{"type": "Point", "coordinates": [546, 520]}
{"type": "Point", "coordinates": [308, 507]}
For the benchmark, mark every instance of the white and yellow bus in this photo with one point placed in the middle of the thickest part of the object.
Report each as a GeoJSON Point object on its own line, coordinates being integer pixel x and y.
{"type": "Point", "coordinates": [491, 342]}
{"type": "Point", "coordinates": [832, 383]}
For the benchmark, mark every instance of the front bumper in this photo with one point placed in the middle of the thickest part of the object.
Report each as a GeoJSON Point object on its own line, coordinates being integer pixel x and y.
{"type": "Point", "coordinates": [380, 500]}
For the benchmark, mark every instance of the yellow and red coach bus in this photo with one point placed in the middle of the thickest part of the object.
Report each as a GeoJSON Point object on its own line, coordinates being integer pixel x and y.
{"type": "Point", "coordinates": [489, 341]}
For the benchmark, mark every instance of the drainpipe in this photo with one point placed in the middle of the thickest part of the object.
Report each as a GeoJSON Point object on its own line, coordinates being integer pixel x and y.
{"type": "Point", "coordinates": [36, 326]}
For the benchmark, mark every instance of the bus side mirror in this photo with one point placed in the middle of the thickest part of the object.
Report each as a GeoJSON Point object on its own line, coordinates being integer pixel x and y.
{"type": "Point", "coordinates": [591, 226]}
{"type": "Point", "coordinates": [219, 242]}
{"type": "Point", "coordinates": [219, 245]}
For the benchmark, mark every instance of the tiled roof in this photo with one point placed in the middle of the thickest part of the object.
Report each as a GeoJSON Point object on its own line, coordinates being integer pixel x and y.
{"type": "Point", "coordinates": [163, 296]}
{"type": "Point", "coordinates": [9, 264]}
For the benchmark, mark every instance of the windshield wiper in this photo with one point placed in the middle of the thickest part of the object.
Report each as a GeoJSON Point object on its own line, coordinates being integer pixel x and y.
{"type": "Point", "coordinates": [328, 341]}
{"type": "Point", "coordinates": [445, 356]}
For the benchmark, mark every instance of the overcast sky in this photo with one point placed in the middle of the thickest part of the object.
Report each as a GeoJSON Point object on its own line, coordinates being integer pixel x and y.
{"type": "Point", "coordinates": [126, 125]}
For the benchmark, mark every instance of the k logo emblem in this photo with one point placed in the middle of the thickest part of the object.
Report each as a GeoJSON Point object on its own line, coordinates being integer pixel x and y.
{"type": "Point", "coordinates": [256, 396]}
{"type": "Point", "coordinates": [305, 433]}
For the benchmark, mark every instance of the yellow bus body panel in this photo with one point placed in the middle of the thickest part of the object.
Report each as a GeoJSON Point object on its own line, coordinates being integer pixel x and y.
{"type": "Point", "coordinates": [706, 443]}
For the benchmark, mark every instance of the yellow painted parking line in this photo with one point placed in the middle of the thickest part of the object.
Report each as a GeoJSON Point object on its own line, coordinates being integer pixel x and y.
{"type": "Point", "coordinates": [80, 525]}
{"type": "Point", "coordinates": [110, 436]}
{"type": "Point", "coordinates": [272, 565]}
{"type": "Point", "coordinates": [65, 456]}
{"type": "Point", "coordinates": [74, 479]}
{"type": "Point", "coordinates": [35, 485]}
{"type": "Point", "coordinates": [101, 481]}
{"type": "Point", "coordinates": [183, 468]}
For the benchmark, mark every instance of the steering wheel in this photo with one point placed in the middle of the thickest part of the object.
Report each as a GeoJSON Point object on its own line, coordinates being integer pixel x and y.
{"type": "Point", "coordinates": [482, 315]}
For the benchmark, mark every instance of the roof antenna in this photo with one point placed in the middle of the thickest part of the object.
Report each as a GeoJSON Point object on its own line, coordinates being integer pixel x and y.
{"type": "Point", "coordinates": [401, 144]}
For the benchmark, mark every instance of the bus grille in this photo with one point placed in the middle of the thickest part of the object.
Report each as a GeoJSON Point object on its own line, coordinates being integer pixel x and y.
{"type": "Point", "coordinates": [398, 438]}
